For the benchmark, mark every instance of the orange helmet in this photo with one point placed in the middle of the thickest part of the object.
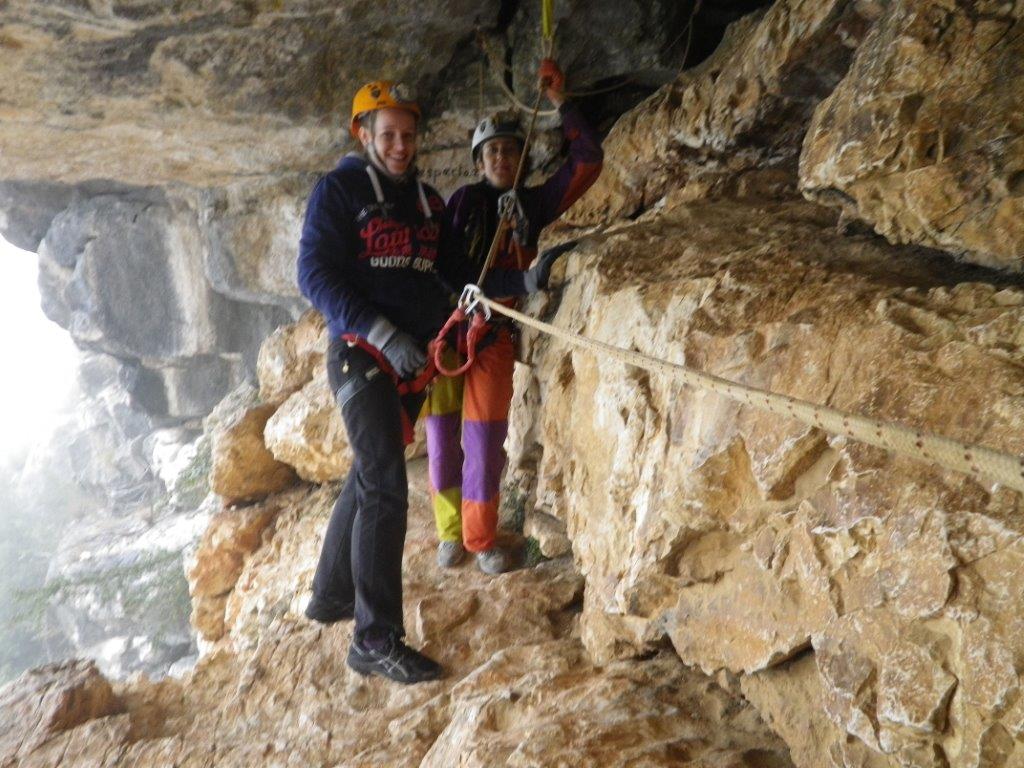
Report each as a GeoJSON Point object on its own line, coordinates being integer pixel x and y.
{"type": "Point", "coordinates": [381, 94]}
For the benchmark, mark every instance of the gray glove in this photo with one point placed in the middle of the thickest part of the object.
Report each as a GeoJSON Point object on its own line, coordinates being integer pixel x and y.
{"type": "Point", "coordinates": [401, 350]}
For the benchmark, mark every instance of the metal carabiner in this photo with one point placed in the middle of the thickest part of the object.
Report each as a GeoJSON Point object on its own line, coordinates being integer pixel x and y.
{"type": "Point", "coordinates": [508, 204]}
{"type": "Point", "coordinates": [469, 301]}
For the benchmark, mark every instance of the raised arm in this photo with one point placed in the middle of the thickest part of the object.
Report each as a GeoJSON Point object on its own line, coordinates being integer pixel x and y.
{"type": "Point", "coordinates": [578, 172]}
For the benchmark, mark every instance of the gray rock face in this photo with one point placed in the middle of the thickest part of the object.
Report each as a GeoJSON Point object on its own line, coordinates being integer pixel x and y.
{"type": "Point", "coordinates": [125, 275]}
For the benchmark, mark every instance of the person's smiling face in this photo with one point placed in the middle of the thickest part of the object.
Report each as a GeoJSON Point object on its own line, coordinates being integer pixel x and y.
{"type": "Point", "coordinates": [393, 136]}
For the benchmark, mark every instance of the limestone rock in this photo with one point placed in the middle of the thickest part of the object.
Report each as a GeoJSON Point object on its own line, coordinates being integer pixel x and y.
{"type": "Point", "coordinates": [924, 138]}
{"type": "Point", "coordinates": [123, 272]}
{"type": "Point", "coordinates": [549, 533]}
{"type": "Point", "coordinates": [748, 540]}
{"type": "Point", "coordinates": [243, 469]}
{"type": "Point", "coordinates": [307, 433]}
{"type": "Point", "coordinates": [49, 701]}
{"type": "Point", "coordinates": [251, 230]}
{"type": "Point", "coordinates": [520, 689]}
{"type": "Point", "coordinates": [204, 95]}
{"type": "Point", "coordinates": [505, 714]}
{"type": "Point", "coordinates": [743, 108]}
{"type": "Point", "coordinates": [789, 698]}
{"type": "Point", "coordinates": [290, 357]}
{"type": "Point", "coordinates": [231, 537]}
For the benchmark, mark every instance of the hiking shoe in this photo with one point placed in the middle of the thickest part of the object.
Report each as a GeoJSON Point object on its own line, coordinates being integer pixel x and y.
{"type": "Point", "coordinates": [493, 561]}
{"type": "Point", "coordinates": [328, 611]}
{"type": "Point", "coordinates": [450, 554]}
{"type": "Point", "coordinates": [395, 661]}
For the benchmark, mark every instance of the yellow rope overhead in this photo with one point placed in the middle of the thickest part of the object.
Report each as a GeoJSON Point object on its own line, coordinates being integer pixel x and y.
{"type": "Point", "coordinates": [547, 19]}
{"type": "Point", "coordinates": [974, 460]}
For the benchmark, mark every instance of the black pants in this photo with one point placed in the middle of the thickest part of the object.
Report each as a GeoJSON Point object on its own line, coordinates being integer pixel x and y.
{"type": "Point", "coordinates": [361, 559]}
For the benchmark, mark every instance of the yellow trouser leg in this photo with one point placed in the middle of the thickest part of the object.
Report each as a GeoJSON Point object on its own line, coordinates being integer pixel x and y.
{"type": "Point", "coordinates": [444, 452]}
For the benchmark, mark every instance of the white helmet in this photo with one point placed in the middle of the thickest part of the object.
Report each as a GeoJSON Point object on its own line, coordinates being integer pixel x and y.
{"type": "Point", "coordinates": [494, 126]}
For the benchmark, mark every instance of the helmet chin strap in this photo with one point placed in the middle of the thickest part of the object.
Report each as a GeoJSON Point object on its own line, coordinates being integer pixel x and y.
{"type": "Point", "coordinates": [378, 163]}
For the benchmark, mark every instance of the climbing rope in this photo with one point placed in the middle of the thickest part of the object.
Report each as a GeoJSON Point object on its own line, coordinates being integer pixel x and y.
{"type": "Point", "coordinates": [508, 208]}
{"type": "Point", "coordinates": [969, 459]}
{"type": "Point", "coordinates": [499, 69]}
{"type": "Point", "coordinates": [494, 66]}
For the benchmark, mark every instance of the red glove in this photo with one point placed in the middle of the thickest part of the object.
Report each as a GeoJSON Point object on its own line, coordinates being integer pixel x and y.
{"type": "Point", "coordinates": [551, 75]}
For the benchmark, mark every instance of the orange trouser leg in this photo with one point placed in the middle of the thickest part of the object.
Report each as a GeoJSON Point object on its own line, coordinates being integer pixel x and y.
{"type": "Point", "coordinates": [486, 400]}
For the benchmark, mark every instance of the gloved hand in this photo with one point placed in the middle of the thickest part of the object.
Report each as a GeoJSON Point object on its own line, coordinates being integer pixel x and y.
{"type": "Point", "coordinates": [402, 351]}
{"type": "Point", "coordinates": [551, 75]}
{"type": "Point", "coordinates": [536, 278]}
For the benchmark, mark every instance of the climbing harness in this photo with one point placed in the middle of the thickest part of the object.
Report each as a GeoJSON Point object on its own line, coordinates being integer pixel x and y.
{"type": "Point", "coordinates": [952, 454]}
{"type": "Point", "coordinates": [466, 310]}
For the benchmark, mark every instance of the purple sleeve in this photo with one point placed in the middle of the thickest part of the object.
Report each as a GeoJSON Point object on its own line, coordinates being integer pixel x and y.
{"type": "Point", "coordinates": [578, 172]}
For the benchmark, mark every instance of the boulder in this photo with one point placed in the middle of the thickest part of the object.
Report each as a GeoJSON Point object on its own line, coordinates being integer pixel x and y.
{"type": "Point", "coordinates": [49, 701]}
{"type": "Point", "coordinates": [307, 433]}
{"type": "Point", "coordinates": [924, 137]}
{"type": "Point", "coordinates": [291, 356]}
{"type": "Point", "coordinates": [243, 469]}
{"type": "Point", "coordinates": [213, 569]}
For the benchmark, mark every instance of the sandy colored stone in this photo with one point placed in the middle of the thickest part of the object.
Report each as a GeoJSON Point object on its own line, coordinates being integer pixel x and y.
{"type": "Point", "coordinates": [231, 537]}
{"type": "Point", "coordinates": [549, 533]}
{"type": "Point", "coordinates": [743, 108]}
{"type": "Point", "coordinates": [745, 538]}
{"type": "Point", "coordinates": [924, 137]}
{"type": "Point", "coordinates": [520, 688]}
{"type": "Point", "coordinates": [290, 357]}
{"type": "Point", "coordinates": [504, 713]}
{"type": "Point", "coordinates": [307, 433]}
{"type": "Point", "coordinates": [48, 701]}
{"type": "Point", "coordinates": [243, 468]}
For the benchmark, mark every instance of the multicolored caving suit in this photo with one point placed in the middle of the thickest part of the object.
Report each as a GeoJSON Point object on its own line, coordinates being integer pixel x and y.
{"type": "Point", "coordinates": [465, 476]}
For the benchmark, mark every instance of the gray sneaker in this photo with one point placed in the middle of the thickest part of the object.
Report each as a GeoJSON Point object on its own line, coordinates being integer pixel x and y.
{"type": "Point", "coordinates": [493, 561]}
{"type": "Point", "coordinates": [450, 554]}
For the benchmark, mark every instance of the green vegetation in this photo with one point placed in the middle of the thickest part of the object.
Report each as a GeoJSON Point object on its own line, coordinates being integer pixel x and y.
{"type": "Point", "coordinates": [533, 556]}
{"type": "Point", "coordinates": [194, 482]}
{"type": "Point", "coordinates": [512, 516]}
{"type": "Point", "coordinates": [26, 546]}
{"type": "Point", "coordinates": [151, 591]}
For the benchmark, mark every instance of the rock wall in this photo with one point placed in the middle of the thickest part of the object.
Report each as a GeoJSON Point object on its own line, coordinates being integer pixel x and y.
{"type": "Point", "coordinates": [742, 590]}
{"type": "Point", "coordinates": [750, 541]}
{"type": "Point", "coordinates": [275, 688]}
{"type": "Point", "coordinates": [922, 139]}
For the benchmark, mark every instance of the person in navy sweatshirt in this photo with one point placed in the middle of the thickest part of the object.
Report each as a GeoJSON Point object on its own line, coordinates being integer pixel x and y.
{"type": "Point", "coordinates": [376, 261]}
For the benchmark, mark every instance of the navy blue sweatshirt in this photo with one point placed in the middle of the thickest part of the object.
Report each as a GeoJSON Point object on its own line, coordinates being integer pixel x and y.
{"type": "Point", "coordinates": [359, 259]}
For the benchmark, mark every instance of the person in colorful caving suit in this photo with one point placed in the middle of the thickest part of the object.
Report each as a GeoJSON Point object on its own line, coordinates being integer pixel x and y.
{"type": "Point", "coordinates": [467, 416]}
